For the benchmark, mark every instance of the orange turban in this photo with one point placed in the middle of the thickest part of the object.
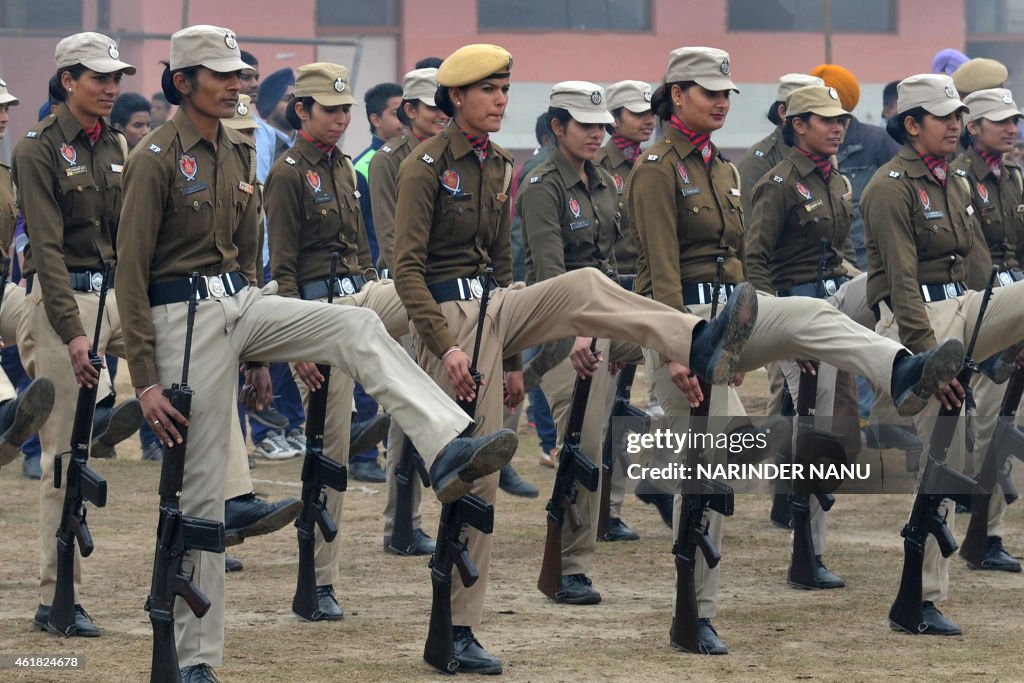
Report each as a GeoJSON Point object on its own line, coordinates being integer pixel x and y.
{"type": "Point", "coordinates": [842, 80]}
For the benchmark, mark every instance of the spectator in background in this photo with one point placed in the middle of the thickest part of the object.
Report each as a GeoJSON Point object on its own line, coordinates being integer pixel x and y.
{"type": "Point", "coordinates": [271, 101]}
{"type": "Point", "coordinates": [947, 61]}
{"type": "Point", "coordinates": [131, 116]}
{"type": "Point", "coordinates": [888, 102]}
{"type": "Point", "coordinates": [1017, 155]}
{"type": "Point", "coordinates": [429, 63]}
{"type": "Point", "coordinates": [160, 110]}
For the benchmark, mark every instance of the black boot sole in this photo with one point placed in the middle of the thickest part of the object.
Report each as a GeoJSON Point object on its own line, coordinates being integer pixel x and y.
{"type": "Point", "coordinates": [939, 370]}
{"type": "Point", "coordinates": [278, 519]}
{"type": "Point", "coordinates": [742, 319]}
{"type": "Point", "coordinates": [33, 409]}
{"type": "Point", "coordinates": [125, 420]}
{"type": "Point", "coordinates": [495, 452]}
{"type": "Point", "coordinates": [372, 435]}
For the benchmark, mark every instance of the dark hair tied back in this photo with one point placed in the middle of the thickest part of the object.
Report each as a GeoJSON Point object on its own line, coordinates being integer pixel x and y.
{"type": "Point", "coordinates": [895, 127]}
{"type": "Point", "coordinates": [788, 132]}
{"type": "Point", "coordinates": [444, 101]}
{"type": "Point", "coordinates": [56, 88]}
{"type": "Point", "coordinates": [172, 94]}
{"type": "Point", "coordinates": [661, 98]}
{"type": "Point", "coordinates": [292, 116]}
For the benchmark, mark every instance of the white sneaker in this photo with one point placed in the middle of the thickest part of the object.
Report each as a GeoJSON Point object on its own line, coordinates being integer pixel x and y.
{"type": "Point", "coordinates": [275, 447]}
{"type": "Point", "coordinates": [654, 409]}
{"type": "Point", "coordinates": [297, 440]}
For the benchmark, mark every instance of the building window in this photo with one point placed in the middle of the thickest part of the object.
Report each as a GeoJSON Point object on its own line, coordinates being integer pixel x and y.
{"type": "Point", "coordinates": [995, 16]}
{"type": "Point", "coordinates": [53, 14]}
{"type": "Point", "coordinates": [358, 12]}
{"type": "Point", "coordinates": [565, 15]}
{"type": "Point", "coordinates": [862, 16]}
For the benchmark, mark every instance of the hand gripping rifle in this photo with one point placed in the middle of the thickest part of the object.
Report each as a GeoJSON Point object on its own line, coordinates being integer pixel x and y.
{"type": "Point", "coordinates": [318, 471]}
{"type": "Point", "coordinates": [83, 484]}
{"type": "Point", "coordinates": [574, 467]}
{"type": "Point", "coordinates": [635, 420]}
{"type": "Point", "coordinates": [1006, 440]}
{"type": "Point", "coordinates": [177, 534]}
{"type": "Point", "coordinates": [698, 498]}
{"type": "Point", "coordinates": [451, 550]}
{"type": "Point", "coordinates": [938, 482]}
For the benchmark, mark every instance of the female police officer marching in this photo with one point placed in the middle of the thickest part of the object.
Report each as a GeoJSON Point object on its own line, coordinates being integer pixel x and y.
{"type": "Point", "coordinates": [922, 230]}
{"type": "Point", "coordinates": [188, 208]}
{"type": "Point", "coordinates": [68, 172]}
{"type": "Point", "coordinates": [452, 222]}
{"type": "Point", "coordinates": [685, 203]}
{"type": "Point", "coordinates": [312, 211]}
{"type": "Point", "coordinates": [799, 223]}
{"type": "Point", "coordinates": [997, 194]}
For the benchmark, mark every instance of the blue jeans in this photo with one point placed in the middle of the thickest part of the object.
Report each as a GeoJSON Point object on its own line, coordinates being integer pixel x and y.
{"type": "Point", "coordinates": [287, 401]}
{"type": "Point", "coordinates": [539, 412]}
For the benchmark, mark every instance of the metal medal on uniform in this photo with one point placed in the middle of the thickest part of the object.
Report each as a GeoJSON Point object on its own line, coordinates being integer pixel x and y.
{"type": "Point", "coordinates": [1005, 278]}
{"type": "Point", "coordinates": [215, 285]}
{"type": "Point", "coordinates": [313, 178]}
{"type": "Point", "coordinates": [475, 288]}
{"type": "Point", "coordinates": [804, 192]}
{"type": "Point", "coordinates": [620, 184]}
{"type": "Point", "coordinates": [451, 181]}
{"type": "Point", "coordinates": [68, 152]}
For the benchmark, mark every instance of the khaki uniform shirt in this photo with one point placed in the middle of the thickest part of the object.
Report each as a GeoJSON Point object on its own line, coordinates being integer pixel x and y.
{"type": "Point", "coordinates": [793, 209]}
{"type": "Point", "coordinates": [8, 209]}
{"type": "Point", "coordinates": [383, 180]}
{"type": "Point", "coordinates": [313, 210]}
{"type": "Point", "coordinates": [760, 158]}
{"type": "Point", "coordinates": [452, 220]}
{"type": "Point", "coordinates": [684, 217]}
{"type": "Point", "coordinates": [611, 158]}
{"type": "Point", "coordinates": [188, 208]}
{"type": "Point", "coordinates": [70, 194]}
{"type": "Point", "coordinates": [999, 207]}
{"type": "Point", "coordinates": [917, 233]}
{"type": "Point", "coordinates": [567, 226]}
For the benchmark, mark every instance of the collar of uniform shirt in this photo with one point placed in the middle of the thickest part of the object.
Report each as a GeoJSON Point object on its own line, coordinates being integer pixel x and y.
{"type": "Point", "coordinates": [328, 150]}
{"type": "Point", "coordinates": [94, 133]}
{"type": "Point", "coordinates": [938, 166]}
{"type": "Point", "coordinates": [480, 144]}
{"type": "Point", "coordinates": [823, 163]}
{"type": "Point", "coordinates": [630, 149]}
{"type": "Point", "coordinates": [994, 161]}
{"type": "Point", "coordinates": [701, 141]}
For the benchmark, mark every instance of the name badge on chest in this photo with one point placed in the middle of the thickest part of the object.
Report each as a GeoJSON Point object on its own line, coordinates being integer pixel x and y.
{"type": "Point", "coordinates": [813, 205]}
{"type": "Point", "coordinates": [690, 191]}
{"type": "Point", "coordinates": [76, 170]}
{"type": "Point", "coordinates": [193, 186]}
{"type": "Point", "coordinates": [933, 215]}
{"type": "Point", "coordinates": [579, 225]}
{"type": "Point", "coordinates": [323, 198]}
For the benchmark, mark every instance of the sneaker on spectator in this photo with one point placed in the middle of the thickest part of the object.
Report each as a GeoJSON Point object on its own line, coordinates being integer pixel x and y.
{"type": "Point", "coordinates": [269, 417]}
{"type": "Point", "coordinates": [549, 458]}
{"type": "Point", "coordinates": [275, 447]}
{"type": "Point", "coordinates": [296, 438]}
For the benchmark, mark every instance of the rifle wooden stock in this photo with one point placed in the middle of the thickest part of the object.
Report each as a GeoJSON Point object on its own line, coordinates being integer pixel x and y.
{"type": "Point", "coordinates": [410, 466]}
{"type": "Point", "coordinates": [573, 467]}
{"type": "Point", "coordinates": [451, 551]}
{"type": "Point", "coordinates": [1006, 440]}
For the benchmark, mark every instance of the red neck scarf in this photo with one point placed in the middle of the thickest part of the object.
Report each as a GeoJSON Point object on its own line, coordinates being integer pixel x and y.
{"type": "Point", "coordinates": [994, 161]}
{"type": "Point", "coordinates": [938, 166]}
{"type": "Point", "coordinates": [701, 141]}
{"type": "Point", "coordinates": [94, 134]}
{"type": "Point", "coordinates": [481, 145]}
{"type": "Point", "coordinates": [630, 149]}
{"type": "Point", "coordinates": [823, 163]}
{"type": "Point", "coordinates": [328, 150]}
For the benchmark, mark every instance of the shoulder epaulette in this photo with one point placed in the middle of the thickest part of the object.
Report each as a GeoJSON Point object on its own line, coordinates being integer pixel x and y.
{"type": "Point", "coordinates": [758, 153]}
{"type": "Point", "coordinates": [32, 134]}
{"type": "Point", "coordinates": [778, 179]}
{"type": "Point", "coordinates": [289, 161]}
{"type": "Point", "coordinates": [428, 159]}
{"type": "Point", "coordinates": [155, 149]}
{"type": "Point", "coordinates": [652, 157]}
{"type": "Point", "coordinates": [894, 174]}
{"type": "Point", "coordinates": [960, 172]}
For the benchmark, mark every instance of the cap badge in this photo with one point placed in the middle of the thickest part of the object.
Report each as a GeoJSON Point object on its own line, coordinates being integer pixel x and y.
{"type": "Point", "coordinates": [681, 169]}
{"type": "Point", "coordinates": [112, 51]}
{"type": "Point", "coordinates": [339, 84]}
{"type": "Point", "coordinates": [574, 206]}
{"type": "Point", "coordinates": [188, 166]}
{"type": "Point", "coordinates": [926, 203]}
{"type": "Point", "coordinates": [833, 94]}
{"type": "Point", "coordinates": [1006, 98]}
{"type": "Point", "coordinates": [804, 192]}
{"type": "Point", "coordinates": [68, 152]}
{"type": "Point", "coordinates": [983, 193]}
{"type": "Point", "coordinates": [725, 68]}
{"type": "Point", "coordinates": [229, 40]}
{"type": "Point", "coordinates": [3, 83]}
{"type": "Point", "coordinates": [451, 181]}
{"type": "Point", "coordinates": [313, 178]}
{"type": "Point", "coordinates": [509, 68]}
{"type": "Point", "coordinates": [647, 95]}
{"type": "Point", "coordinates": [241, 109]}
{"type": "Point", "coordinates": [950, 91]}
{"type": "Point", "coordinates": [595, 97]}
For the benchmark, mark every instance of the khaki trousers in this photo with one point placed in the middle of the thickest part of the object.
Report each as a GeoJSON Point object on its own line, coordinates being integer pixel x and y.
{"type": "Point", "coordinates": [955, 319]}
{"type": "Point", "coordinates": [396, 437]}
{"type": "Point", "coordinates": [10, 316]}
{"type": "Point", "coordinates": [43, 353]}
{"type": "Point", "coordinates": [558, 384]}
{"type": "Point", "coordinates": [382, 299]}
{"type": "Point", "coordinates": [583, 302]}
{"type": "Point", "coordinates": [255, 325]}
{"type": "Point", "coordinates": [786, 328]}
